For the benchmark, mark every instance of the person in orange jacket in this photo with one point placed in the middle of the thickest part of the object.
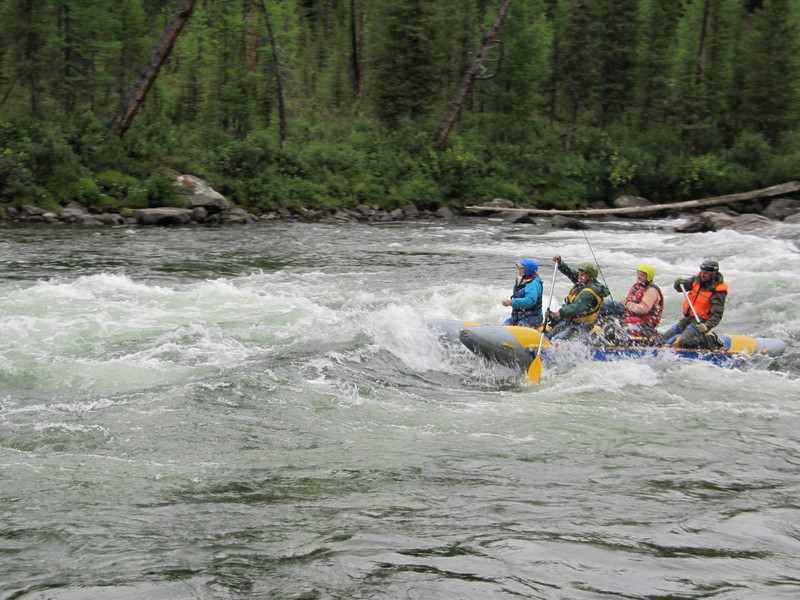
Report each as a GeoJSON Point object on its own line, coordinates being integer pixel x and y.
{"type": "Point", "coordinates": [707, 292]}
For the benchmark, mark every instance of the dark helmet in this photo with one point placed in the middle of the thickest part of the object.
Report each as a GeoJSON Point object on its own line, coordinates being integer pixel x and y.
{"type": "Point", "coordinates": [709, 265]}
{"type": "Point", "coordinates": [530, 265]}
{"type": "Point", "coordinates": [590, 269]}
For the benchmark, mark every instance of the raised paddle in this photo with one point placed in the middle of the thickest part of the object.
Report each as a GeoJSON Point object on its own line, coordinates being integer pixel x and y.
{"type": "Point", "coordinates": [535, 370]}
{"type": "Point", "coordinates": [696, 317]}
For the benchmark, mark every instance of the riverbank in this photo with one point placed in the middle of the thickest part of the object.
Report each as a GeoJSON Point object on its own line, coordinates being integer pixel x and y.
{"type": "Point", "coordinates": [203, 205]}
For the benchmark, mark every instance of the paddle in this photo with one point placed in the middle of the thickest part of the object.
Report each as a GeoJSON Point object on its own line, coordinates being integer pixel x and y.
{"type": "Point", "coordinates": [535, 370]}
{"type": "Point", "coordinates": [696, 317]}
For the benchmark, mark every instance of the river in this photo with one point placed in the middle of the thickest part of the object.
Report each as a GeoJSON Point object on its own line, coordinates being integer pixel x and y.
{"type": "Point", "coordinates": [263, 412]}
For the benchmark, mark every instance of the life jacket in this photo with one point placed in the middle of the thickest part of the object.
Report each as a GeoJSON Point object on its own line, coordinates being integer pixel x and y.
{"type": "Point", "coordinates": [590, 316]}
{"type": "Point", "coordinates": [652, 318]}
{"type": "Point", "coordinates": [701, 299]}
{"type": "Point", "coordinates": [519, 292]}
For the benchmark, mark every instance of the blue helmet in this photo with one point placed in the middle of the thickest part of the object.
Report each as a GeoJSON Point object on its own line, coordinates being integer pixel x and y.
{"type": "Point", "coordinates": [531, 266]}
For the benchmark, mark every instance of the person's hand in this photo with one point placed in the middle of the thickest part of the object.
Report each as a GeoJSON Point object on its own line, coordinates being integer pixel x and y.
{"type": "Point", "coordinates": [701, 327]}
{"type": "Point", "coordinates": [557, 259]}
{"type": "Point", "coordinates": [506, 302]}
{"type": "Point", "coordinates": [678, 285]}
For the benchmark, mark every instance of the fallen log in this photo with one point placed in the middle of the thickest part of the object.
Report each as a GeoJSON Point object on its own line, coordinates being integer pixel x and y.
{"type": "Point", "coordinates": [776, 190]}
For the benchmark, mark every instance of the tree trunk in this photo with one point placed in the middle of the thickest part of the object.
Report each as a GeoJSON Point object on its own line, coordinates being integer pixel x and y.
{"type": "Point", "coordinates": [702, 52]}
{"type": "Point", "coordinates": [470, 76]}
{"type": "Point", "coordinates": [789, 187]}
{"type": "Point", "coordinates": [251, 41]}
{"type": "Point", "coordinates": [357, 44]}
{"type": "Point", "coordinates": [276, 67]}
{"type": "Point", "coordinates": [128, 111]}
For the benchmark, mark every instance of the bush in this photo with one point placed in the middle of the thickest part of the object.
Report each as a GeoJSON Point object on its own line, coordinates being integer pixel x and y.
{"type": "Point", "coordinates": [155, 191]}
{"type": "Point", "coordinates": [98, 148]}
{"type": "Point", "coordinates": [244, 159]}
{"type": "Point", "coordinates": [83, 190]}
{"type": "Point", "coordinates": [115, 184]}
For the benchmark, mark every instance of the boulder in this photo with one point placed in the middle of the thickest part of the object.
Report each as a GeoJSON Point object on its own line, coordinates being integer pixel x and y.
{"type": "Point", "coordinates": [74, 212]}
{"type": "Point", "coordinates": [444, 213]}
{"type": "Point", "coordinates": [110, 219]}
{"type": "Point", "coordinates": [199, 194]}
{"type": "Point", "coordinates": [199, 214]}
{"type": "Point", "coordinates": [516, 216]}
{"type": "Point", "coordinates": [162, 216]}
{"type": "Point", "coordinates": [750, 222]}
{"type": "Point", "coordinates": [794, 219]}
{"type": "Point", "coordinates": [630, 201]}
{"type": "Point", "coordinates": [410, 211]}
{"type": "Point", "coordinates": [367, 212]}
{"type": "Point", "coordinates": [29, 210]}
{"type": "Point", "coordinates": [562, 222]}
{"type": "Point", "coordinates": [718, 220]}
{"type": "Point", "coordinates": [240, 215]}
{"type": "Point", "coordinates": [694, 224]}
{"type": "Point", "coordinates": [780, 208]}
{"type": "Point", "coordinates": [498, 203]}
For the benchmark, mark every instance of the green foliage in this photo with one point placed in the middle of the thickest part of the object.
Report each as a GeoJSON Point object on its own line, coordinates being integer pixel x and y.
{"type": "Point", "coordinates": [84, 190]}
{"type": "Point", "coordinates": [157, 190]}
{"type": "Point", "coordinates": [404, 79]}
{"type": "Point", "coordinates": [594, 99]}
{"type": "Point", "coordinates": [115, 184]}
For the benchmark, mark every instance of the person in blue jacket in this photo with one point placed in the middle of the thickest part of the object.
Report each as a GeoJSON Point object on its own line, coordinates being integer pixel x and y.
{"type": "Point", "coordinates": [526, 299]}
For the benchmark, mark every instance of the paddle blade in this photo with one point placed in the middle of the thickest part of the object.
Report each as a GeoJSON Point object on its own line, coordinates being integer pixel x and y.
{"type": "Point", "coordinates": [535, 370]}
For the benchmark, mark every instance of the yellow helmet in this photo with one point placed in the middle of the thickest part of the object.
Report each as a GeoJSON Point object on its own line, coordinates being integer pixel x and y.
{"type": "Point", "coordinates": [647, 270]}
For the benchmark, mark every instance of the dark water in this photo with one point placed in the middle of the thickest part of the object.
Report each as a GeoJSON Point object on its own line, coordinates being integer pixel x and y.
{"type": "Point", "coordinates": [264, 413]}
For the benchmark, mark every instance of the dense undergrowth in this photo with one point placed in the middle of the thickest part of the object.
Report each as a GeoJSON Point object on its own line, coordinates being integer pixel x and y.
{"type": "Point", "coordinates": [341, 163]}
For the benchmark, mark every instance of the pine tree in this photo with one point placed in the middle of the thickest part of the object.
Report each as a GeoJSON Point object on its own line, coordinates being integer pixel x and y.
{"type": "Point", "coordinates": [575, 65]}
{"type": "Point", "coordinates": [615, 39]}
{"type": "Point", "coordinates": [403, 78]}
{"type": "Point", "coordinates": [654, 96]}
{"type": "Point", "coordinates": [771, 70]}
{"type": "Point", "coordinates": [26, 30]}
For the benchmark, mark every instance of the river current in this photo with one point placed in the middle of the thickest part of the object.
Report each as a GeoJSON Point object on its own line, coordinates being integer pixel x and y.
{"type": "Point", "coordinates": [263, 412]}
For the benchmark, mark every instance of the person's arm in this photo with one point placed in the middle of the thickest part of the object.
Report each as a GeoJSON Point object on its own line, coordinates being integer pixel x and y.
{"type": "Point", "coordinates": [683, 283]}
{"type": "Point", "coordinates": [649, 299]}
{"type": "Point", "coordinates": [717, 309]}
{"type": "Point", "coordinates": [583, 304]}
{"type": "Point", "coordinates": [533, 291]}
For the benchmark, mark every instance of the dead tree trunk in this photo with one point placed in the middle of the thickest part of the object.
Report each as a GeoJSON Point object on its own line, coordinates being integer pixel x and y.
{"type": "Point", "coordinates": [276, 67]}
{"type": "Point", "coordinates": [471, 75]}
{"type": "Point", "coordinates": [790, 187]}
{"type": "Point", "coordinates": [251, 41]}
{"type": "Point", "coordinates": [702, 51]}
{"type": "Point", "coordinates": [357, 44]}
{"type": "Point", "coordinates": [128, 111]}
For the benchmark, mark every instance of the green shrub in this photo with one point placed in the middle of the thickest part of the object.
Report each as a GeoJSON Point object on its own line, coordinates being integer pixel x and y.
{"type": "Point", "coordinates": [751, 150]}
{"type": "Point", "coordinates": [84, 190]}
{"type": "Point", "coordinates": [782, 168]}
{"type": "Point", "coordinates": [160, 190]}
{"type": "Point", "coordinates": [97, 146]}
{"type": "Point", "coordinates": [155, 191]}
{"type": "Point", "coordinates": [244, 159]}
{"type": "Point", "coordinates": [115, 184]}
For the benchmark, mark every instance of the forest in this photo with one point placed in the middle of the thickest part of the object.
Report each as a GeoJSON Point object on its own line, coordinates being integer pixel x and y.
{"type": "Point", "coordinates": [326, 104]}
